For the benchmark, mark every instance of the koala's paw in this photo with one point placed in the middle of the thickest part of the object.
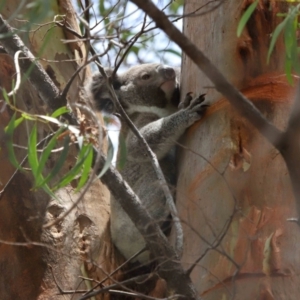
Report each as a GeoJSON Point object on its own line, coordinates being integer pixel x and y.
{"type": "Point", "coordinates": [195, 107]}
{"type": "Point", "coordinates": [194, 104]}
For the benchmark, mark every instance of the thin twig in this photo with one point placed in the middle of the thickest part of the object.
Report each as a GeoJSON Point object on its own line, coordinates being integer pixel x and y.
{"type": "Point", "coordinates": [116, 270]}
{"type": "Point", "coordinates": [115, 285]}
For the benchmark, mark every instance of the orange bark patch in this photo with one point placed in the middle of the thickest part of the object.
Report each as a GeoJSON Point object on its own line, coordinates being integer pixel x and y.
{"type": "Point", "coordinates": [271, 87]}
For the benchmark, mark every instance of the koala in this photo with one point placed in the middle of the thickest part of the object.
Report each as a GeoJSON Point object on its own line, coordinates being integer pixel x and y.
{"type": "Point", "coordinates": [150, 95]}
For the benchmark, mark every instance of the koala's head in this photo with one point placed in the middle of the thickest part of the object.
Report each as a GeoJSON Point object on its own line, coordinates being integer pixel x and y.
{"type": "Point", "coordinates": [143, 86]}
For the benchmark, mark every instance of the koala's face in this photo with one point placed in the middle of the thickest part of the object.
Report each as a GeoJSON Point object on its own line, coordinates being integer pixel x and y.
{"type": "Point", "coordinates": [141, 87]}
{"type": "Point", "coordinates": [147, 85]}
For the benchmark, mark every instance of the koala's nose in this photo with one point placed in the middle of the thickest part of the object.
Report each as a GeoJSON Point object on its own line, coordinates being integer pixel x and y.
{"type": "Point", "coordinates": [168, 72]}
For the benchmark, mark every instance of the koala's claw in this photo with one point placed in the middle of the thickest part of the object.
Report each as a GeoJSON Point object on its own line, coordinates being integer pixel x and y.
{"type": "Point", "coordinates": [198, 100]}
{"type": "Point", "coordinates": [190, 102]}
{"type": "Point", "coordinates": [187, 100]}
{"type": "Point", "coordinates": [197, 105]}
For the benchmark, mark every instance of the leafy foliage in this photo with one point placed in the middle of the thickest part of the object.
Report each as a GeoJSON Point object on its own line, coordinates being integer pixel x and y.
{"type": "Point", "coordinates": [37, 158]}
{"type": "Point", "coordinates": [288, 27]}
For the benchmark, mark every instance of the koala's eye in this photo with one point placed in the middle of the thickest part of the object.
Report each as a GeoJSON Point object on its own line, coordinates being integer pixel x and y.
{"type": "Point", "coordinates": [145, 76]}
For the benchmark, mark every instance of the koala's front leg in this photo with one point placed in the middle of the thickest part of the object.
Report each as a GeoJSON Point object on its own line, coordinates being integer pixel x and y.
{"type": "Point", "coordinates": [162, 134]}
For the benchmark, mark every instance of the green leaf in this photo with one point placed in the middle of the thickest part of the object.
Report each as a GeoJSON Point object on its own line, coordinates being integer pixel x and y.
{"type": "Point", "coordinates": [245, 17]}
{"type": "Point", "coordinates": [13, 124]}
{"type": "Point", "coordinates": [175, 6]}
{"type": "Point", "coordinates": [290, 38]}
{"type": "Point", "coordinates": [29, 117]}
{"type": "Point", "coordinates": [288, 71]}
{"type": "Point", "coordinates": [67, 178]}
{"type": "Point", "coordinates": [4, 93]}
{"type": "Point", "coordinates": [47, 152]}
{"type": "Point", "coordinates": [135, 49]}
{"type": "Point", "coordinates": [102, 9]}
{"type": "Point", "coordinates": [59, 163]}
{"type": "Point", "coordinates": [109, 158]}
{"type": "Point", "coordinates": [275, 35]}
{"type": "Point", "coordinates": [32, 152]}
{"type": "Point", "coordinates": [9, 130]}
{"type": "Point", "coordinates": [60, 111]}
{"type": "Point", "coordinates": [281, 14]}
{"type": "Point", "coordinates": [87, 164]}
{"type": "Point", "coordinates": [288, 23]}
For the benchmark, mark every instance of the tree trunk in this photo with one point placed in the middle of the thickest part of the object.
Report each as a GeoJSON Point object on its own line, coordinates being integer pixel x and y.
{"type": "Point", "coordinates": [34, 261]}
{"type": "Point", "coordinates": [234, 193]}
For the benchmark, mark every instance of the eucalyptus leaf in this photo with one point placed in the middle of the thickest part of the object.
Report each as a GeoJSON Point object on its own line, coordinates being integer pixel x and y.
{"type": "Point", "coordinates": [47, 151]}
{"type": "Point", "coordinates": [59, 163]}
{"type": "Point", "coordinates": [71, 175]}
{"type": "Point", "coordinates": [60, 111]}
{"type": "Point", "coordinates": [9, 131]}
{"type": "Point", "coordinates": [32, 152]}
{"type": "Point", "coordinates": [87, 164]}
{"type": "Point", "coordinates": [245, 17]}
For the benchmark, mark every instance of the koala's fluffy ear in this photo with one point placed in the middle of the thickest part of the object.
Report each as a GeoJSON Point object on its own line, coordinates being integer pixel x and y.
{"type": "Point", "coordinates": [100, 92]}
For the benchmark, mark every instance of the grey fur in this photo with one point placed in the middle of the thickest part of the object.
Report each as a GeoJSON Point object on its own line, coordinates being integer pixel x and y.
{"type": "Point", "coordinates": [149, 94]}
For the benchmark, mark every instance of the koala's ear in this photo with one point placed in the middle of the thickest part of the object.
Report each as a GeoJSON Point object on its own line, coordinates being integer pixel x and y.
{"type": "Point", "coordinates": [100, 92]}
